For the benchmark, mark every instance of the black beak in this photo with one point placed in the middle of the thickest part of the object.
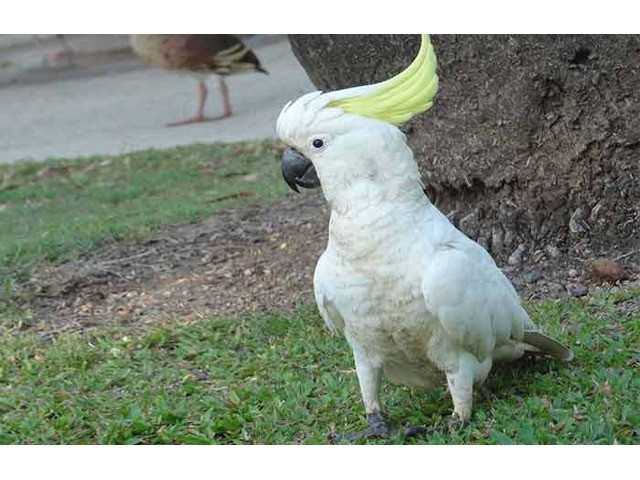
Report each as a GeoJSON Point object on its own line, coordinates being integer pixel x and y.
{"type": "Point", "coordinates": [298, 170]}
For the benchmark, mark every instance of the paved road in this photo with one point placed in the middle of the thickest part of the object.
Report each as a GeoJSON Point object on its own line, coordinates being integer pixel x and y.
{"type": "Point", "coordinates": [122, 112]}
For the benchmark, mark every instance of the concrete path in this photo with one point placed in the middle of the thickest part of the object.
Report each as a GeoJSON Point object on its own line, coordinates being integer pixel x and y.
{"type": "Point", "coordinates": [127, 111]}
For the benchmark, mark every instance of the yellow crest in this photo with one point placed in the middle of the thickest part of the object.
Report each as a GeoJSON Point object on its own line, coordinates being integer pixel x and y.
{"type": "Point", "coordinates": [398, 99]}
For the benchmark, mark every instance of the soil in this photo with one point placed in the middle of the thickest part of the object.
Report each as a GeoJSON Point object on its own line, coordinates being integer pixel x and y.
{"type": "Point", "coordinates": [254, 259]}
{"type": "Point", "coordinates": [248, 260]}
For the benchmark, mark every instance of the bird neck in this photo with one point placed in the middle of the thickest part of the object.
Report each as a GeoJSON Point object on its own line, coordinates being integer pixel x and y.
{"type": "Point", "coordinates": [379, 214]}
{"type": "Point", "coordinates": [393, 181]}
{"type": "Point", "coordinates": [371, 223]}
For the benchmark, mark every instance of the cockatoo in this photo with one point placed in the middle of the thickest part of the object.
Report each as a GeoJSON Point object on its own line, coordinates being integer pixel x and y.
{"type": "Point", "coordinates": [415, 298]}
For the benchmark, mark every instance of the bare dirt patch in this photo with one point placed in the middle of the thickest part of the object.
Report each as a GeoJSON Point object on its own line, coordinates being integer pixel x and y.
{"type": "Point", "coordinates": [255, 259]}
{"type": "Point", "coordinates": [247, 260]}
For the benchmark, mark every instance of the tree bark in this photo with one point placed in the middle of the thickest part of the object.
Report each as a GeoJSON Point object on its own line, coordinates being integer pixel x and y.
{"type": "Point", "coordinates": [532, 140]}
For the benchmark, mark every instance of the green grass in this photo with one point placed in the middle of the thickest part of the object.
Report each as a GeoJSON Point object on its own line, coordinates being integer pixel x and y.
{"type": "Point", "coordinates": [59, 210]}
{"type": "Point", "coordinates": [283, 379]}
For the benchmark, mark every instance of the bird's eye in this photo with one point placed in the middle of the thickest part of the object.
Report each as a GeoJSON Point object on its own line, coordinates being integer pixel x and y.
{"type": "Point", "coordinates": [317, 143]}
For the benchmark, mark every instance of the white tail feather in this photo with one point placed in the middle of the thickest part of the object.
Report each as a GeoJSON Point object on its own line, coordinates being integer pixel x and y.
{"type": "Point", "coordinates": [546, 344]}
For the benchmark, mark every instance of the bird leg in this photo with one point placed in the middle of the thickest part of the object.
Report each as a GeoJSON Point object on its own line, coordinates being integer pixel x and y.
{"type": "Point", "coordinates": [199, 116]}
{"type": "Point", "coordinates": [202, 99]}
{"type": "Point", "coordinates": [226, 112]}
{"type": "Point", "coordinates": [369, 376]}
{"type": "Point", "coordinates": [460, 384]}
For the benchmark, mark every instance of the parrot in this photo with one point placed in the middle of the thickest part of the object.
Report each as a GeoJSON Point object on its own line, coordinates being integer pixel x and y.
{"type": "Point", "coordinates": [417, 300]}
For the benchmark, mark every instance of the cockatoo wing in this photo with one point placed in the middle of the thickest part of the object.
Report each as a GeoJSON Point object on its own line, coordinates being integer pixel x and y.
{"type": "Point", "coordinates": [478, 307]}
{"type": "Point", "coordinates": [474, 302]}
{"type": "Point", "coordinates": [324, 285]}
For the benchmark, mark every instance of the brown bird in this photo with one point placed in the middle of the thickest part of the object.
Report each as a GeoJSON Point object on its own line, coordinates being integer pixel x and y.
{"type": "Point", "coordinates": [201, 55]}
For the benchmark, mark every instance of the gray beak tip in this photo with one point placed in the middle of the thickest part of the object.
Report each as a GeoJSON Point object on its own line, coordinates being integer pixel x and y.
{"type": "Point", "coordinates": [293, 186]}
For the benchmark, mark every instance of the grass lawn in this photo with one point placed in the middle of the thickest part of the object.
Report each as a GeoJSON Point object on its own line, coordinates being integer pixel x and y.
{"type": "Point", "coordinates": [58, 210]}
{"type": "Point", "coordinates": [269, 379]}
{"type": "Point", "coordinates": [282, 379]}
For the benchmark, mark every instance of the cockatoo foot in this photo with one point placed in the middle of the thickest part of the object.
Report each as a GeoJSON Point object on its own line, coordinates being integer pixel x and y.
{"type": "Point", "coordinates": [456, 423]}
{"type": "Point", "coordinates": [379, 429]}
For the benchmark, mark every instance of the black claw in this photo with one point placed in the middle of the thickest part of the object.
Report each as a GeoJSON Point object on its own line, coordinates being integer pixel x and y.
{"type": "Point", "coordinates": [456, 423]}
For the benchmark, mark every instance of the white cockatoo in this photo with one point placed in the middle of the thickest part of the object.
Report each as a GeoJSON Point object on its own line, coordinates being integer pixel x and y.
{"type": "Point", "coordinates": [415, 298]}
